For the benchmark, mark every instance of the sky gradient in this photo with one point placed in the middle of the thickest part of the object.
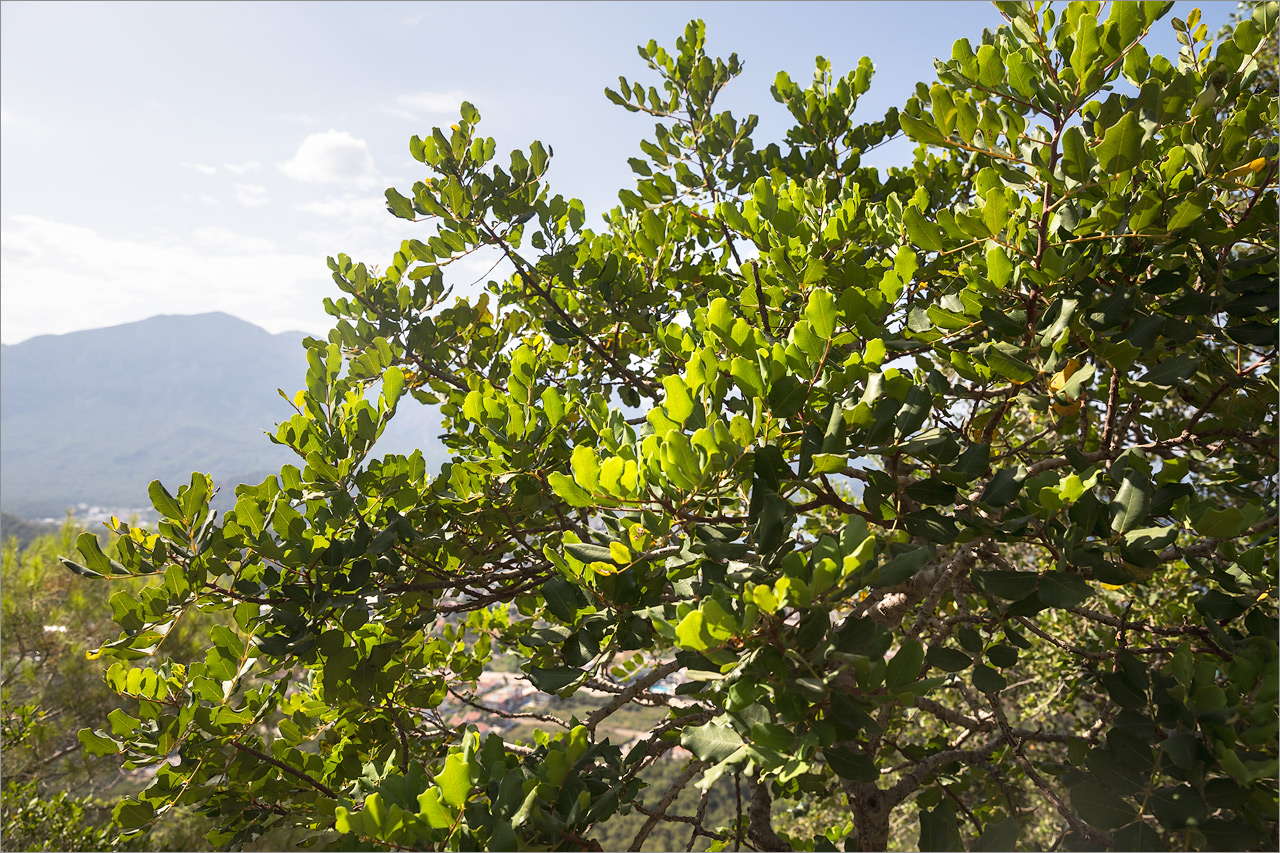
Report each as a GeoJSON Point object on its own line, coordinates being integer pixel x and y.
{"type": "Point", "coordinates": [188, 157]}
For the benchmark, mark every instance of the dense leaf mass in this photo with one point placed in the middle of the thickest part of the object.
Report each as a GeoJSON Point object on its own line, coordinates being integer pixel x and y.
{"type": "Point", "coordinates": [944, 497]}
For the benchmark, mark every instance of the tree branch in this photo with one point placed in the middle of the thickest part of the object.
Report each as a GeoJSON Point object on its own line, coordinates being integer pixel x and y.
{"type": "Point", "coordinates": [292, 771]}
{"type": "Point", "coordinates": [629, 693]}
{"type": "Point", "coordinates": [657, 814]}
{"type": "Point", "coordinates": [759, 819]}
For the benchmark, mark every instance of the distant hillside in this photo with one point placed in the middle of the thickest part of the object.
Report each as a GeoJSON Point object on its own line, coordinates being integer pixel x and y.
{"type": "Point", "coordinates": [12, 527]}
{"type": "Point", "coordinates": [92, 417]}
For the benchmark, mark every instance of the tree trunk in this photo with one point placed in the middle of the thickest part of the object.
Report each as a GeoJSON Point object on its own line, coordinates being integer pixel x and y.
{"type": "Point", "coordinates": [871, 810]}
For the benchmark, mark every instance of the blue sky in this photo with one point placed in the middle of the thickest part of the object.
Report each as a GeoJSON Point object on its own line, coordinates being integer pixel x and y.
{"type": "Point", "coordinates": [189, 157]}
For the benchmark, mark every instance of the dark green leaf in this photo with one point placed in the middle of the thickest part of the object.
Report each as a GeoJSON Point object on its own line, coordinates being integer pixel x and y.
{"type": "Point", "coordinates": [1060, 589]}
{"type": "Point", "coordinates": [588, 552]}
{"type": "Point", "coordinates": [904, 667]}
{"type": "Point", "coordinates": [931, 525]}
{"type": "Point", "coordinates": [1178, 807]}
{"type": "Point", "coordinates": [987, 679]}
{"type": "Point", "coordinates": [998, 836]}
{"type": "Point", "coordinates": [1173, 370]}
{"type": "Point", "coordinates": [903, 566]}
{"type": "Point", "coordinates": [553, 678]}
{"type": "Point", "coordinates": [1011, 586]}
{"type": "Point", "coordinates": [1129, 508]}
{"type": "Point", "coordinates": [851, 765]}
{"type": "Point", "coordinates": [949, 660]}
{"type": "Point", "coordinates": [1099, 807]}
{"type": "Point", "coordinates": [938, 828]}
{"type": "Point", "coordinates": [1002, 655]}
{"type": "Point", "coordinates": [1003, 487]}
{"type": "Point", "coordinates": [563, 598]}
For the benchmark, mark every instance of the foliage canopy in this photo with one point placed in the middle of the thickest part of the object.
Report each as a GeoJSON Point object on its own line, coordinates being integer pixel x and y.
{"type": "Point", "coordinates": [945, 494]}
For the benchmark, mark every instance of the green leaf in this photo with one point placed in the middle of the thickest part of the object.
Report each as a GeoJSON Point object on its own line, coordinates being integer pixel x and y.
{"type": "Point", "coordinates": [1151, 538]}
{"type": "Point", "coordinates": [83, 571]}
{"type": "Point", "coordinates": [164, 502]}
{"type": "Point", "coordinates": [586, 467]}
{"type": "Point", "coordinates": [399, 205]}
{"type": "Point", "coordinates": [132, 814]}
{"type": "Point", "coordinates": [999, 268]}
{"type": "Point", "coordinates": [1121, 146]}
{"type": "Point", "coordinates": [1220, 523]}
{"type": "Point", "coordinates": [826, 463]}
{"type": "Point", "coordinates": [1129, 507]}
{"type": "Point", "coordinates": [692, 633]}
{"type": "Point", "coordinates": [949, 660]}
{"type": "Point", "coordinates": [551, 679]}
{"type": "Point", "coordinates": [553, 405]}
{"type": "Point", "coordinates": [999, 836]}
{"type": "Point", "coordinates": [1099, 807]}
{"type": "Point", "coordinates": [569, 491]}
{"type": "Point", "coordinates": [851, 765]}
{"type": "Point", "coordinates": [919, 131]}
{"type": "Point", "coordinates": [454, 781]}
{"type": "Point", "coordinates": [720, 316]}
{"type": "Point", "coordinates": [678, 403]}
{"type": "Point", "coordinates": [1013, 369]}
{"type": "Point", "coordinates": [987, 679]}
{"type": "Point", "coordinates": [563, 598]}
{"type": "Point", "coordinates": [926, 235]}
{"type": "Point", "coordinates": [931, 525]}
{"type": "Point", "coordinates": [87, 545]}
{"type": "Point", "coordinates": [939, 830]}
{"type": "Point", "coordinates": [430, 807]}
{"type": "Point", "coordinates": [821, 313]}
{"type": "Point", "coordinates": [1060, 589]}
{"type": "Point", "coordinates": [1190, 210]}
{"type": "Point", "coordinates": [711, 742]}
{"type": "Point", "coordinates": [122, 725]}
{"type": "Point", "coordinates": [904, 667]}
{"type": "Point", "coordinates": [748, 376]}
{"type": "Point", "coordinates": [903, 566]}
{"type": "Point", "coordinates": [1003, 487]}
{"type": "Point", "coordinates": [98, 744]}
{"type": "Point", "coordinates": [1002, 655]}
{"type": "Point", "coordinates": [589, 552]}
{"type": "Point", "coordinates": [1172, 371]}
{"type": "Point", "coordinates": [1075, 155]}
{"type": "Point", "coordinates": [526, 808]}
{"type": "Point", "coordinates": [934, 491]}
{"type": "Point", "coordinates": [393, 385]}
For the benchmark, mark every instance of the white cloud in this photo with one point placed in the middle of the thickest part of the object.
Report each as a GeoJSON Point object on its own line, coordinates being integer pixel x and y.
{"type": "Point", "coordinates": [214, 237]}
{"type": "Point", "coordinates": [332, 157]}
{"type": "Point", "coordinates": [427, 104]}
{"type": "Point", "coordinates": [242, 168]}
{"type": "Point", "coordinates": [12, 120]}
{"type": "Point", "coordinates": [252, 195]}
{"type": "Point", "coordinates": [201, 168]}
{"type": "Point", "coordinates": [349, 207]}
{"type": "Point", "coordinates": [67, 277]}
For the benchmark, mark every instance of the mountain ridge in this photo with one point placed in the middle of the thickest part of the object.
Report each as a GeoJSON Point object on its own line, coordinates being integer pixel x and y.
{"type": "Point", "coordinates": [93, 416]}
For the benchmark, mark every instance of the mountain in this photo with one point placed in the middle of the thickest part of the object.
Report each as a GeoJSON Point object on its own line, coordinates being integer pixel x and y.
{"type": "Point", "coordinates": [92, 417]}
